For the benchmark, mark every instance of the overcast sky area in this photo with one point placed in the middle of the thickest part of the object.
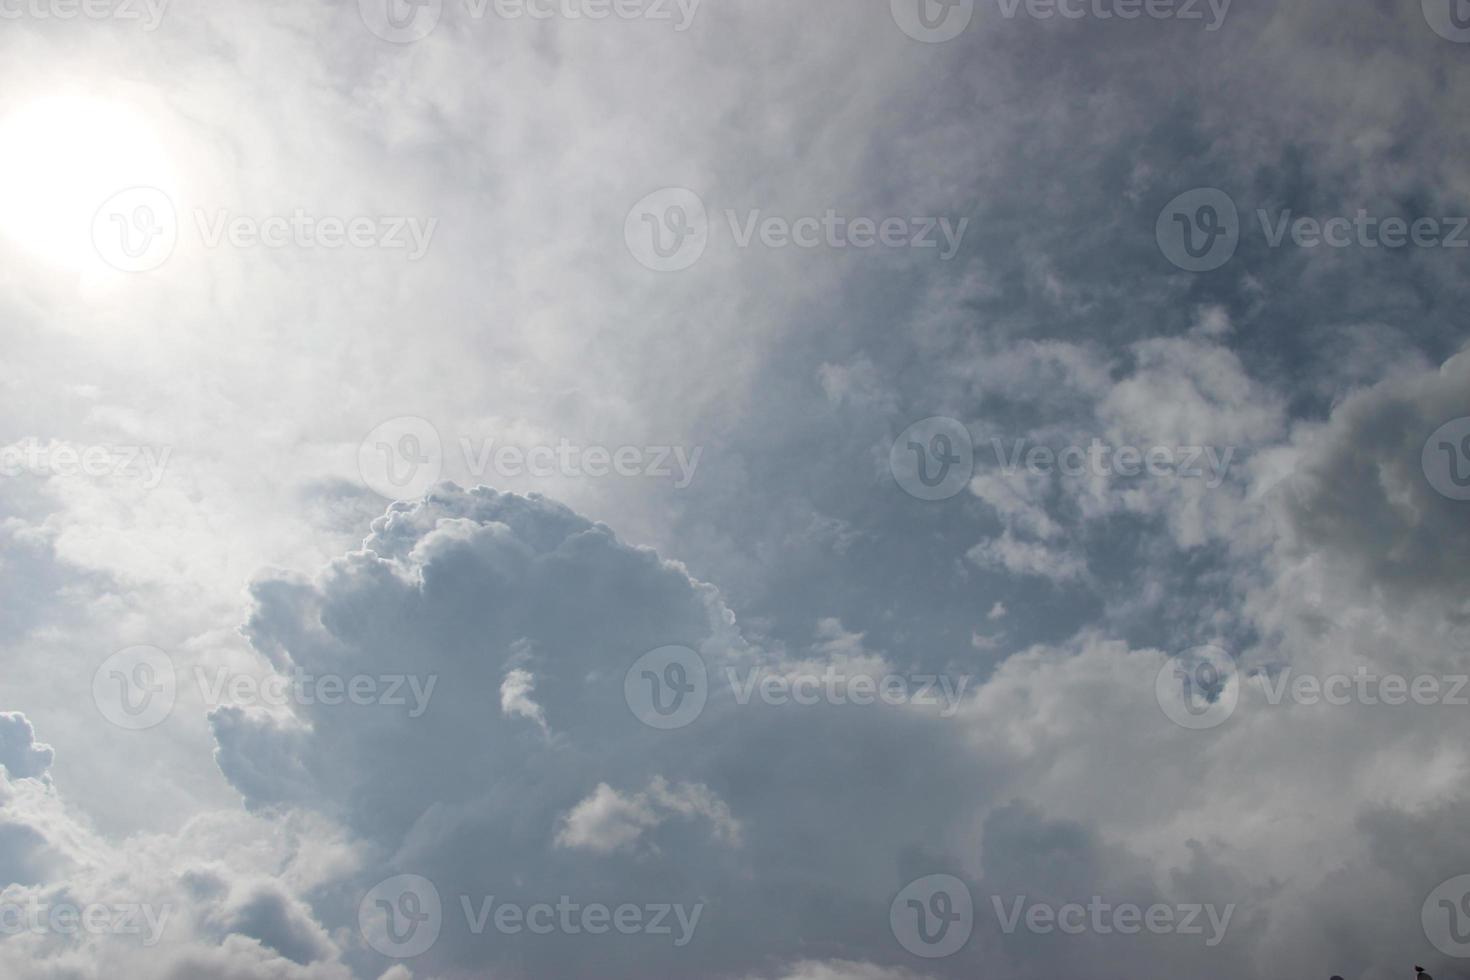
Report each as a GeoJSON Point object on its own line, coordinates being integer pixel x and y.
{"type": "Point", "coordinates": [734, 489]}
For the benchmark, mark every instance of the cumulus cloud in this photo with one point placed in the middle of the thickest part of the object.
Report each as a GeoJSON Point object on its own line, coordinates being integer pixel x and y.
{"type": "Point", "coordinates": [21, 755]}
{"type": "Point", "coordinates": [608, 821]}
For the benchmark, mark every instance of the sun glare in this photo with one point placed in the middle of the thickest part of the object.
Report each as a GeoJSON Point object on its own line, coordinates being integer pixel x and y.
{"type": "Point", "coordinates": [61, 158]}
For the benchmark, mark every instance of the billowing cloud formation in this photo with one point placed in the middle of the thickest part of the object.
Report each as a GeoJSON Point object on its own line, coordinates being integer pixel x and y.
{"type": "Point", "coordinates": [21, 755]}
{"type": "Point", "coordinates": [489, 748]}
{"type": "Point", "coordinates": [769, 836]}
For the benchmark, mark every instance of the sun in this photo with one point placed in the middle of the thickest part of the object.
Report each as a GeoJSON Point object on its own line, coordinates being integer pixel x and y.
{"type": "Point", "coordinates": [61, 158]}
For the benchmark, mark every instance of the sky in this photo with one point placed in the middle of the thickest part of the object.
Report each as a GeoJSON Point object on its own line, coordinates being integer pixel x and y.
{"type": "Point", "coordinates": [840, 490]}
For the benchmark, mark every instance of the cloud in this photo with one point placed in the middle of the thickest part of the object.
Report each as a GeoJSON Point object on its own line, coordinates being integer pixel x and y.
{"type": "Point", "coordinates": [21, 755]}
{"type": "Point", "coordinates": [608, 821]}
